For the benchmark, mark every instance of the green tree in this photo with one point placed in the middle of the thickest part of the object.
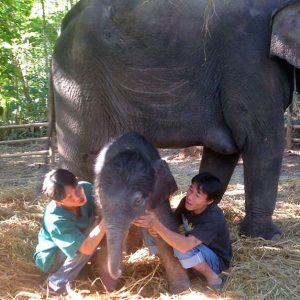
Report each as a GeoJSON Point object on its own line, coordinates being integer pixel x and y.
{"type": "Point", "coordinates": [28, 31]}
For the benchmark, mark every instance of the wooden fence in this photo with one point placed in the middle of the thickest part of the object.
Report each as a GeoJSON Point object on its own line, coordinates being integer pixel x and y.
{"type": "Point", "coordinates": [49, 152]}
{"type": "Point", "coordinates": [290, 129]}
{"type": "Point", "coordinates": [290, 140]}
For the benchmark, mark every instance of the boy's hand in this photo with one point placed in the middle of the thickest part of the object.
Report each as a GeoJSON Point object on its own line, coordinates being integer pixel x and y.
{"type": "Point", "coordinates": [148, 220]}
{"type": "Point", "coordinates": [153, 232]}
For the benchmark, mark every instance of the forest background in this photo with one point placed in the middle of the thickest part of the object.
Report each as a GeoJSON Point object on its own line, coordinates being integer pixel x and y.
{"type": "Point", "coordinates": [28, 31]}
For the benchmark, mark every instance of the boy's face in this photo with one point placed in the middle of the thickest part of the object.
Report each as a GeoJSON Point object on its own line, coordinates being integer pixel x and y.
{"type": "Point", "coordinates": [75, 197]}
{"type": "Point", "coordinates": [196, 201]}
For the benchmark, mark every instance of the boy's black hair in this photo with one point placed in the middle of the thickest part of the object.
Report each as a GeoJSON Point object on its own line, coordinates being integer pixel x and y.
{"type": "Point", "coordinates": [209, 184]}
{"type": "Point", "coordinates": [55, 182]}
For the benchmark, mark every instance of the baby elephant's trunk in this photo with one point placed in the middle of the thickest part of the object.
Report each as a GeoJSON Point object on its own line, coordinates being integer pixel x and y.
{"type": "Point", "coordinates": [115, 235]}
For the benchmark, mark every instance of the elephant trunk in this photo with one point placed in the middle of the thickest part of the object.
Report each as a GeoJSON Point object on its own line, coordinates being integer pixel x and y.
{"type": "Point", "coordinates": [115, 234]}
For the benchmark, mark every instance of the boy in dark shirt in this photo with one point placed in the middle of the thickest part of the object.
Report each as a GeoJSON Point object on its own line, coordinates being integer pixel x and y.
{"type": "Point", "coordinates": [205, 245]}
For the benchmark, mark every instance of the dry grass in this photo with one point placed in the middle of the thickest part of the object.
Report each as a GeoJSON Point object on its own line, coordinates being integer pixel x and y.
{"type": "Point", "coordinates": [260, 269]}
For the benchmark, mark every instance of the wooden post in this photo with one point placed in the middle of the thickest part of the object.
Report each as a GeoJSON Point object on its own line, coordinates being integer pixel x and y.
{"type": "Point", "coordinates": [8, 142]}
{"type": "Point", "coordinates": [289, 131]}
{"type": "Point", "coordinates": [42, 124]}
{"type": "Point", "coordinates": [32, 153]}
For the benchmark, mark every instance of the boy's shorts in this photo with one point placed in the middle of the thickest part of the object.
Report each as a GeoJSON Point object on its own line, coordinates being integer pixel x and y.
{"type": "Point", "coordinates": [198, 255]}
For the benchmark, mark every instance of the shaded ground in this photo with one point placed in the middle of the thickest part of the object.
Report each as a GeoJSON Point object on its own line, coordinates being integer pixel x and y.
{"type": "Point", "coordinates": [27, 170]}
{"type": "Point", "coordinates": [24, 170]}
{"type": "Point", "coordinates": [260, 269]}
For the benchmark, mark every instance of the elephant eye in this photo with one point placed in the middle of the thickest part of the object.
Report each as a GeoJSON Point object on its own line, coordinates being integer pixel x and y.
{"type": "Point", "coordinates": [138, 199]}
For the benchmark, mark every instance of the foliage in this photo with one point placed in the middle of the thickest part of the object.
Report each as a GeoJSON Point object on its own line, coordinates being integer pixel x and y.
{"type": "Point", "coordinates": [28, 31]}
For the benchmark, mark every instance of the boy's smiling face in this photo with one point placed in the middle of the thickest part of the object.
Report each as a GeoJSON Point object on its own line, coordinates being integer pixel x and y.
{"type": "Point", "coordinates": [75, 197]}
{"type": "Point", "coordinates": [196, 200]}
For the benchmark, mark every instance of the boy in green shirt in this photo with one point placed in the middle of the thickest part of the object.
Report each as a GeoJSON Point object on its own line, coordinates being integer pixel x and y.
{"type": "Point", "coordinates": [64, 243]}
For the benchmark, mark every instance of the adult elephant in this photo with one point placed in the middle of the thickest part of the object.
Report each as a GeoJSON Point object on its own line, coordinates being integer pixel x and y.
{"type": "Point", "coordinates": [182, 73]}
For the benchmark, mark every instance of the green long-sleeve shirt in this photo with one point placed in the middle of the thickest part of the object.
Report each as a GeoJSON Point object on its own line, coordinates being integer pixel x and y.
{"type": "Point", "coordinates": [63, 230]}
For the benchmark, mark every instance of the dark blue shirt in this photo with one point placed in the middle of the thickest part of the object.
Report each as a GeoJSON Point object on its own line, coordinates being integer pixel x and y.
{"type": "Point", "coordinates": [210, 227]}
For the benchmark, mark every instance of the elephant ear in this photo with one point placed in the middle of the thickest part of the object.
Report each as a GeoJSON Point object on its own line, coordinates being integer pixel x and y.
{"type": "Point", "coordinates": [165, 184]}
{"type": "Point", "coordinates": [285, 40]}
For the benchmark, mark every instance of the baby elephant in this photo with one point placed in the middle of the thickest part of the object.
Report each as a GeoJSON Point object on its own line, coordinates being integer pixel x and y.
{"type": "Point", "coordinates": [130, 177]}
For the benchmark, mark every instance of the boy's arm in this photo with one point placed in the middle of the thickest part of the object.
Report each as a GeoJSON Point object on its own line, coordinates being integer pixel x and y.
{"type": "Point", "coordinates": [180, 242]}
{"type": "Point", "coordinates": [177, 212]}
{"type": "Point", "coordinates": [93, 239]}
{"type": "Point", "coordinates": [96, 235]}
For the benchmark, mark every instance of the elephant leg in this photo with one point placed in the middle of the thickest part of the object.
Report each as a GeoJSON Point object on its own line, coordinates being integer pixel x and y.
{"type": "Point", "coordinates": [134, 240]}
{"type": "Point", "coordinates": [177, 277]}
{"type": "Point", "coordinates": [99, 264]}
{"type": "Point", "coordinates": [219, 165]}
{"type": "Point", "coordinates": [262, 164]}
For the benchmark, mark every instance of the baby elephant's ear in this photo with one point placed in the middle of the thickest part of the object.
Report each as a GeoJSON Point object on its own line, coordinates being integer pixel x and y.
{"type": "Point", "coordinates": [164, 185]}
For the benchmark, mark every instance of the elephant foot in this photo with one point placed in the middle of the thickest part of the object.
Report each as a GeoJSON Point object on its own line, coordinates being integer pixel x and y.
{"type": "Point", "coordinates": [109, 284]}
{"type": "Point", "coordinates": [178, 279]}
{"type": "Point", "coordinates": [99, 268]}
{"type": "Point", "coordinates": [260, 227]}
{"type": "Point", "coordinates": [179, 286]}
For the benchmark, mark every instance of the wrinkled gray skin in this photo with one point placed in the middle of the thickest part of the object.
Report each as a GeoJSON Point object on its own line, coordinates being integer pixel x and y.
{"type": "Point", "coordinates": [181, 73]}
{"type": "Point", "coordinates": [130, 177]}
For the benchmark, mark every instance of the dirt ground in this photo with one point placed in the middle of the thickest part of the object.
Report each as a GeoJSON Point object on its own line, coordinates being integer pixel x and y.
{"type": "Point", "coordinates": [21, 174]}
{"type": "Point", "coordinates": [28, 170]}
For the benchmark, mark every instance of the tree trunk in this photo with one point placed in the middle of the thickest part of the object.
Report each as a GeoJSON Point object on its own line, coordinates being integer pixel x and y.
{"type": "Point", "coordinates": [45, 39]}
{"type": "Point", "coordinates": [21, 76]}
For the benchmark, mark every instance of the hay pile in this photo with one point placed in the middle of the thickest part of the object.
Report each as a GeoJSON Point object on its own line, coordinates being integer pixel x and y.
{"type": "Point", "coordinates": [260, 269]}
{"type": "Point", "coordinates": [19, 225]}
{"type": "Point", "coordinates": [265, 269]}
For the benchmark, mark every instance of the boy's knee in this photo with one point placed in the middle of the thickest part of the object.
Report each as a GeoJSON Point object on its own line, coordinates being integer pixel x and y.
{"type": "Point", "coordinates": [188, 259]}
{"type": "Point", "coordinates": [179, 254]}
